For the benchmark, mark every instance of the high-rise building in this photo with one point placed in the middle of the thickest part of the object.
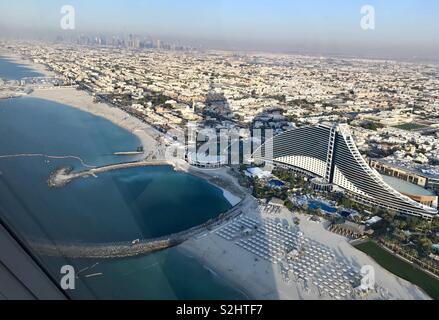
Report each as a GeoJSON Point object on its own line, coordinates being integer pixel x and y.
{"type": "Point", "coordinates": [329, 153]}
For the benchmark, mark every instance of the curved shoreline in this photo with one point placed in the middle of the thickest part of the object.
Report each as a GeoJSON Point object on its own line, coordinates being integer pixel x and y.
{"type": "Point", "coordinates": [64, 175]}
{"type": "Point", "coordinates": [80, 99]}
{"type": "Point", "coordinates": [149, 137]}
{"type": "Point", "coordinates": [128, 249]}
{"type": "Point", "coordinates": [26, 62]}
{"type": "Point", "coordinates": [83, 101]}
{"type": "Point", "coordinates": [224, 276]}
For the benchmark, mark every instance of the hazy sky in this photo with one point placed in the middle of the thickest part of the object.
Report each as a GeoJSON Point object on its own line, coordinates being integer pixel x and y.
{"type": "Point", "coordinates": [403, 27]}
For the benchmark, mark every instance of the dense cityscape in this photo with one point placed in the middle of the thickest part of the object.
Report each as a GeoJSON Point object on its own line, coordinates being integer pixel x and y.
{"type": "Point", "coordinates": [336, 172]}
{"type": "Point", "coordinates": [389, 104]}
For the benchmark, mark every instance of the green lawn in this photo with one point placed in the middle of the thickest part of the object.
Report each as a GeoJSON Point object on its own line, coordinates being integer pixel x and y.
{"type": "Point", "coordinates": [410, 126]}
{"type": "Point", "coordinates": [401, 268]}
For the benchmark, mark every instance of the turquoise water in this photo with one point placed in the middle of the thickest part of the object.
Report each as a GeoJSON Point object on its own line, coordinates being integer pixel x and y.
{"type": "Point", "coordinates": [314, 204]}
{"type": "Point", "coordinates": [117, 206]}
{"type": "Point", "coordinates": [168, 274]}
{"type": "Point", "coordinates": [13, 71]}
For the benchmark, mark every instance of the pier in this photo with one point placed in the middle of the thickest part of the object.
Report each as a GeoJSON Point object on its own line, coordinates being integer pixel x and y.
{"type": "Point", "coordinates": [135, 248]}
{"type": "Point", "coordinates": [65, 175]}
{"type": "Point", "coordinates": [61, 177]}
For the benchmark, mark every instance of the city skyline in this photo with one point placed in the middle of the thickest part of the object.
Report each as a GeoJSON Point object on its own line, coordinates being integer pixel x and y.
{"type": "Point", "coordinates": [402, 29]}
{"type": "Point", "coordinates": [219, 150]}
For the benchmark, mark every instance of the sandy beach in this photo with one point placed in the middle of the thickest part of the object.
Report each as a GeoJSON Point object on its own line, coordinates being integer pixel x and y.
{"type": "Point", "coordinates": [148, 136]}
{"type": "Point", "coordinates": [15, 58]}
{"type": "Point", "coordinates": [85, 102]}
{"type": "Point", "coordinates": [259, 278]}
{"type": "Point", "coordinates": [263, 280]}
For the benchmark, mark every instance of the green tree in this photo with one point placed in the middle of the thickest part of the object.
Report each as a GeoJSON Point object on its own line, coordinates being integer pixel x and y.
{"type": "Point", "coordinates": [426, 245]}
{"type": "Point", "coordinates": [289, 205]}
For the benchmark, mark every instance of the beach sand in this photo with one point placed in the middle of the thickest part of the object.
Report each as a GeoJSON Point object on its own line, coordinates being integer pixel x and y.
{"type": "Point", "coordinates": [16, 58]}
{"type": "Point", "coordinates": [231, 198]}
{"type": "Point", "coordinates": [262, 279]}
{"type": "Point", "coordinates": [149, 137]}
{"type": "Point", "coordinates": [259, 278]}
{"type": "Point", "coordinates": [85, 102]}
{"type": "Point", "coordinates": [82, 100]}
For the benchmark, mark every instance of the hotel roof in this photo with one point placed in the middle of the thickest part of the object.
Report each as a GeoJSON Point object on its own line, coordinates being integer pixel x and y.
{"type": "Point", "coordinates": [406, 187]}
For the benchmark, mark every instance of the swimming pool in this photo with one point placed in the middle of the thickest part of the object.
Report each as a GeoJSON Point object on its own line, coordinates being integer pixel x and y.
{"type": "Point", "coordinates": [315, 204]}
{"type": "Point", "coordinates": [276, 183]}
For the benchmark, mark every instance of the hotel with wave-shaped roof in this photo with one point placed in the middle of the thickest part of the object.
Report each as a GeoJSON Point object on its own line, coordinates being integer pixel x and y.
{"type": "Point", "coordinates": [329, 154]}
